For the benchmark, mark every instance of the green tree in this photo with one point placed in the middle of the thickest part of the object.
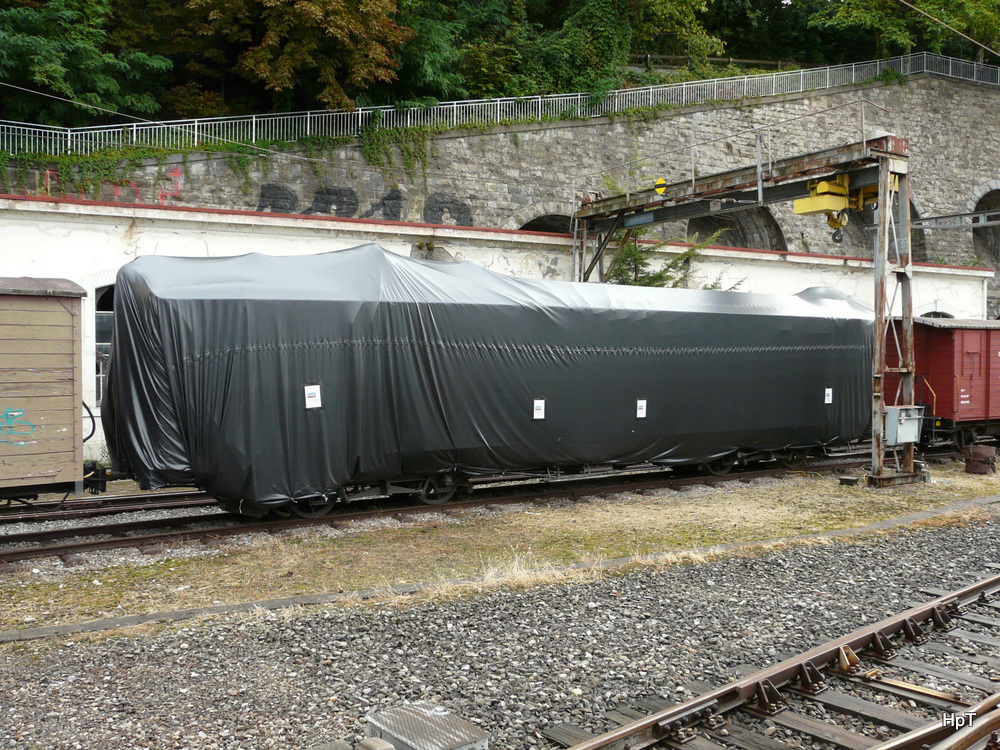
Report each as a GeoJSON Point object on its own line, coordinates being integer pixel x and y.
{"type": "Point", "coordinates": [778, 30]}
{"type": "Point", "coordinates": [673, 27]}
{"type": "Point", "coordinates": [308, 51]}
{"type": "Point", "coordinates": [632, 266]}
{"type": "Point", "coordinates": [201, 83]}
{"type": "Point", "coordinates": [427, 62]}
{"type": "Point", "coordinates": [60, 47]}
{"type": "Point", "coordinates": [896, 28]}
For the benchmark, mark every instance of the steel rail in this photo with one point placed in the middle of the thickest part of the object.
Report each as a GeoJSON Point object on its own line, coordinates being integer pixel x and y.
{"type": "Point", "coordinates": [652, 729]}
{"type": "Point", "coordinates": [511, 495]}
{"type": "Point", "coordinates": [104, 505]}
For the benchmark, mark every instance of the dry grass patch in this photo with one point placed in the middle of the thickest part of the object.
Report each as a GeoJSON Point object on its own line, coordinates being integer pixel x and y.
{"type": "Point", "coordinates": [523, 546]}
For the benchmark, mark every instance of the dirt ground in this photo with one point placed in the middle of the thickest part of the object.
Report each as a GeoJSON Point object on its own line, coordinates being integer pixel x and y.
{"type": "Point", "coordinates": [513, 545]}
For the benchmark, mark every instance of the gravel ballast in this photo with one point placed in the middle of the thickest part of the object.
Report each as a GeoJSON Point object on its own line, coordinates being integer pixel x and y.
{"type": "Point", "coordinates": [510, 661]}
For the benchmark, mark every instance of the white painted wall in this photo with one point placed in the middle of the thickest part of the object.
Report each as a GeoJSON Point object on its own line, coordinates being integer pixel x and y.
{"type": "Point", "coordinates": [88, 242]}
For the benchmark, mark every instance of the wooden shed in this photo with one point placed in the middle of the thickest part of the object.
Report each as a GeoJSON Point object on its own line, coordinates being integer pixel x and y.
{"type": "Point", "coordinates": [41, 387]}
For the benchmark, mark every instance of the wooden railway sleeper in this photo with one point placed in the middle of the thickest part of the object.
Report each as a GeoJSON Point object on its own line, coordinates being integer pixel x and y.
{"type": "Point", "coordinates": [981, 721]}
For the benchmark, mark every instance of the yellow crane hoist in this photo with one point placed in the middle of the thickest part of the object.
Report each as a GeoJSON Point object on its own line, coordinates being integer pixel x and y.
{"type": "Point", "coordinates": [832, 196]}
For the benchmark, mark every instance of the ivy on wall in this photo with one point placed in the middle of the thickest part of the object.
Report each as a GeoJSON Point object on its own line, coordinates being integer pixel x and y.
{"type": "Point", "coordinates": [388, 149]}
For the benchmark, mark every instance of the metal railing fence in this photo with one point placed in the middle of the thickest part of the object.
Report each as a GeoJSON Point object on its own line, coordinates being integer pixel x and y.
{"type": "Point", "coordinates": [17, 137]}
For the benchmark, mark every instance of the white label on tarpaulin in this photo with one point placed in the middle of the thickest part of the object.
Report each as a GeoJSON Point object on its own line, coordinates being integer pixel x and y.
{"type": "Point", "coordinates": [539, 410]}
{"type": "Point", "coordinates": [828, 396]}
{"type": "Point", "coordinates": [314, 398]}
{"type": "Point", "coordinates": [640, 408]}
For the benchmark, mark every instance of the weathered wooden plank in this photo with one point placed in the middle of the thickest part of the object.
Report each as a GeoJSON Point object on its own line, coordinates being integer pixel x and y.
{"type": "Point", "coordinates": [566, 734]}
{"type": "Point", "coordinates": [953, 675]}
{"type": "Point", "coordinates": [913, 693]}
{"type": "Point", "coordinates": [744, 739]}
{"type": "Point", "coordinates": [46, 424]}
{"type": "Point", "coordinates": [42, 406]}
{"type": "Point", "coordinates": [36, 375]}
{"type": "Point", "coordinates": [696, 743]}
{"type": "Point", "coordinates": [52, 467]}
{"type": "Point", "coordinates": [52, 316]}
{"type": "Point", "coordinates": [992, 622]}
{"type": "Point", "coordinates": [18, 445]}
{"type": "Point", "coordinates": [10, 361]}
{"type": "Point", "coordinates": [28, 302]}
{"type": "Point", "coordinates": [831, 733]}
{"type": "Point", "coordinates": [20, 391]}
{"type": "Point", "coordinates": [968, 635]}
{"type": "Point", "coordinates": [30, 345]}
{"type": "Point", "coordinates": [15, 332]}
{"type": "Point", "coordinates": [854, 706]}
{"type": "Point", "coordinates": [944, 648]}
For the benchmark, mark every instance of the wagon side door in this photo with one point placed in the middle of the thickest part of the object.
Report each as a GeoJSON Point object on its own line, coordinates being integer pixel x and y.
{"type": "Point", "coordinates": [972, 380]}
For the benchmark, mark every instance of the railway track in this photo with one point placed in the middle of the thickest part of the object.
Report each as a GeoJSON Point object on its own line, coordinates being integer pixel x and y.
{"type": "Point", "coordinates": [927, 678]}
{"type": "Point", "coordinates": [91, 506]}
{"type": "Point", "coordinates": [152, 535]}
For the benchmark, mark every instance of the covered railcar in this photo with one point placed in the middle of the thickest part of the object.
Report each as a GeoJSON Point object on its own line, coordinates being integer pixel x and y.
{"type": "Point", "coordinates": [286, 381]}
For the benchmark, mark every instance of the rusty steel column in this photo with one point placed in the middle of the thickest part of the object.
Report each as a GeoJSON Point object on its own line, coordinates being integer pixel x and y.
{"type": "Point", "coordinates": [892, 244]}
{"type": "Point", "coordinates": [880, 261]}
{"type": "Point", "coordinates": [904, 278]}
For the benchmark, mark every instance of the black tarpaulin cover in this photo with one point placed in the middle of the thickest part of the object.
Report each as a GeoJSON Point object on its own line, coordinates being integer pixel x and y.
{"type": "Point", "coordinates": [264, 379]}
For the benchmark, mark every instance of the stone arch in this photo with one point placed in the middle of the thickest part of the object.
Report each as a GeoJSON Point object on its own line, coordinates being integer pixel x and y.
{"type": "Point", "coordinates": [986, 240]}
{"type": "Point", "coordinates": [919, 250]}
{"type": "Point", "coordinates": [752, 227]}
{"type": "Point", "coordinates": [554, 223]}
{"type": "Point", "coordinates": [549, 216]}
{"type": "Point", "coordinates": [936, 309]}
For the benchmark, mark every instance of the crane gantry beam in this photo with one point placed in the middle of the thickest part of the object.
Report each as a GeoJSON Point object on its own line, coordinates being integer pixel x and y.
{"type": "Point", "coordinates": [874, 171]}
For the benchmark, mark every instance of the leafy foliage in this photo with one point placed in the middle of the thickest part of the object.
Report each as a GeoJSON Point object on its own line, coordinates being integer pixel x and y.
{"type": "Point", "coordinates": [202, 58]}
{"type": "Point", "coordinates": [59, 48]}
{"type": "Point", "coordinates": [323, 48]}
{"type": "Point", "coordinates": [895, 28]}
{"type": "Point", "coordinates": [632, 266]}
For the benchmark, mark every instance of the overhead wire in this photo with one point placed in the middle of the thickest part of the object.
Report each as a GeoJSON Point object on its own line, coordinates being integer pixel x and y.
{"type": "Point", "coordinates": [950, 28]}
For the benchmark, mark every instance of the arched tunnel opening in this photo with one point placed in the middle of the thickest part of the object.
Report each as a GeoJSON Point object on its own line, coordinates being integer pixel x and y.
{"type": "Point", "coordinates": [986, 240]}
{"type": "Point", "coordinates": [752, 227]}
{"type": "Point", "coordinates": [555, 223]}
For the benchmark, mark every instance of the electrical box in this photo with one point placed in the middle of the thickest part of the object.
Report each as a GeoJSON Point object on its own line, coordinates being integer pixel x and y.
{"type": "Point", "coordinates": [425, 726]}
{"type": "Point", "coordinates": [902, 424]}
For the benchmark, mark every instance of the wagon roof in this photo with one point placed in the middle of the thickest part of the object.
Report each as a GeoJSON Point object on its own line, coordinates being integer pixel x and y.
{"type": "Point", "coordinates": [958, 323]}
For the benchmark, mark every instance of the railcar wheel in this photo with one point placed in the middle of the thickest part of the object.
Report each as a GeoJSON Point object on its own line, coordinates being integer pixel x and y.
{"type": "Point", "coordinates": [433, 491]}
{"type": "Point", "coordinates": [793, 459]}
{"type": "Point", "coordinates": [314, 506]}
{"type": "Point", "coordinates": [720, 466]}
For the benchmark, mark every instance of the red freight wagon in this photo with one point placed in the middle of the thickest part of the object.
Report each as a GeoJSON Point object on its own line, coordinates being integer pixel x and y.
{"type": "Point", "coordinates": [957, 378]}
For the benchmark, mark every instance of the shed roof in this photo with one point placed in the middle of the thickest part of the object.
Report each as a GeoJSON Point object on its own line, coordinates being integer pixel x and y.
{"type": "Point", "coordinates": [27, 286]}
